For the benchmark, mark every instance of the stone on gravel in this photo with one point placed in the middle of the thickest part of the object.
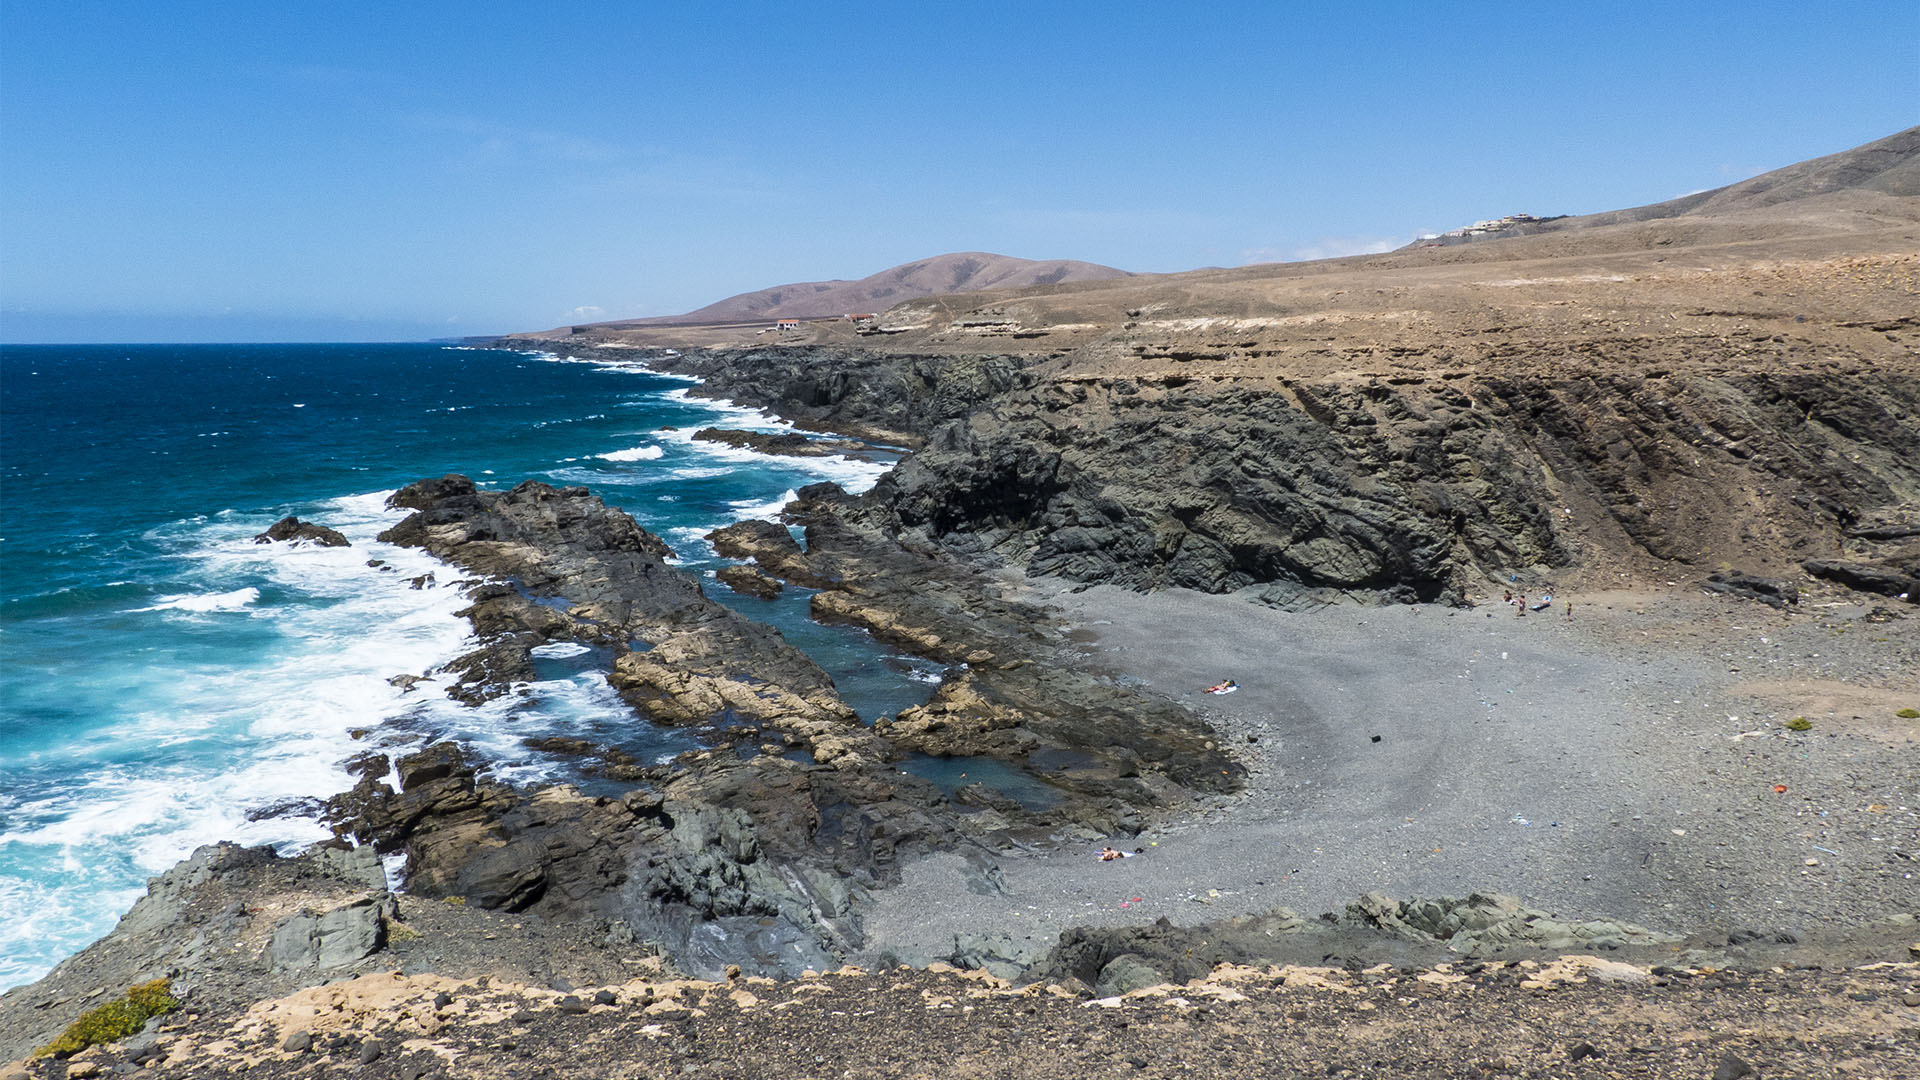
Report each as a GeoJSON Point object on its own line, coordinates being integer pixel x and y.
{"type": "Point", "coordinates": [1731, 1067]}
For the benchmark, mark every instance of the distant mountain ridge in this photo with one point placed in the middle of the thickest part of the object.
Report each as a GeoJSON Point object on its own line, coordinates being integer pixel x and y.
{"type": "Point", "coordinates": [960, 271]}
{"type": "Point", "coordinates": [1861, 179]}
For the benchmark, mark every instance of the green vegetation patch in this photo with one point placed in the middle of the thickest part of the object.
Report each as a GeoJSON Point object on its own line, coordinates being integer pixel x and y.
{"type": "Point", "coordinates": [1908, 714]}
{"type": "Point", "coordinates": [115, 1020]}
{"type": "Point", "coordinates": [1799, 723]}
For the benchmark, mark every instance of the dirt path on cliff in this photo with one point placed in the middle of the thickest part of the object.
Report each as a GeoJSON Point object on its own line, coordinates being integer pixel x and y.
{"type": "Point", "coordinates": [1593, 767]}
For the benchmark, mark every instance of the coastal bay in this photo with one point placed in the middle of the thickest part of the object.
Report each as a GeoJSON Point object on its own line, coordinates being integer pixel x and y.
{"type": "Point", "coordinates": [1564, 597]}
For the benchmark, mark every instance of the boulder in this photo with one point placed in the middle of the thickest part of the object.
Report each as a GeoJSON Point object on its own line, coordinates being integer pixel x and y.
{"type": "Point", "coordinates": [1773, 592]}
{"type": "Point", "coordinates": [291, 529]}
{"type": "Point", "coordinates": [1887, 579]}
{"type": "Point", "coordinates": [336, 938]}
{"type": "Point", "coordinates": [1124, 974]}
{"type": "Point", "coordinates": [749, 582]}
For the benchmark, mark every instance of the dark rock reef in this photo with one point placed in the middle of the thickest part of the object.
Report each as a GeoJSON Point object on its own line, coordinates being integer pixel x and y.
{"type": "Point", "coordinates": [757, 851]}
{"type": "Point", "coordinates": [565, 567]}
{"type": "Point", "coordinates": [292, 529]}
{"type": "Point", "coordinates": [1015, 691]}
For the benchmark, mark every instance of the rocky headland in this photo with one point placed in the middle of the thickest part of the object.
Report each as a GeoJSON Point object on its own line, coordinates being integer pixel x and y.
{"type": "Point", "coordinates": [1698, 431]}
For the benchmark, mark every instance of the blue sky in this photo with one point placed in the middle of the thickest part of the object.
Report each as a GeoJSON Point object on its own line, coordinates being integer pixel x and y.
{"type": "Point", "coordinates": [341, 171]}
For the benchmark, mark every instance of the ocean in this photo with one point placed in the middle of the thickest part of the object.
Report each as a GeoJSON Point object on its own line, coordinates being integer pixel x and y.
{"type": "Point", "coordinates": [165, 682]}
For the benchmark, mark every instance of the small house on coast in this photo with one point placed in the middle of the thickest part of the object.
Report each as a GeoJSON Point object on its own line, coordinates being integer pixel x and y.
{"type": "Point", "coordinates": [787, 324]}
{"type": "Point", "coordinates": [862, 320]}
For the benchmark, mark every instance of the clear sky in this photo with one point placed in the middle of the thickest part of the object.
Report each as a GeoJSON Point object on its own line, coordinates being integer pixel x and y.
{"type": "Point", "coordinates": [348, 171]}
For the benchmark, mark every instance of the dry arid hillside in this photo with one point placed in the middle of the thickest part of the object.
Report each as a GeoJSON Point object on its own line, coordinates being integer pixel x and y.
{"type": "Point", "coordinates": [961, 271]}
{"type": "Point", "coordinates": [1727, 385]}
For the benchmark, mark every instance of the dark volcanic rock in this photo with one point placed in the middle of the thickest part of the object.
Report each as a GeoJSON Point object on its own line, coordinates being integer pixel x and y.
{"type": "Point", "coordinates": [700, 660]}
{"type": "Point", "coordinates": [758, 860]}
{"type": "Point", "coordinates": [751, 582]}
{"type": "Point", "coordinates": [787, 444]}
{"type": "Point", "coordinates": [886, 398]}
{"type": "Point", "coordinates": [1888, 580]}
{"type": "Point", "coordinates": [1769, 591]}
{"type": "Point", "coordinates": [291, 528]}
{"type": "Point", "coordinates": [1018, 698]}
{"type": "Point", "coordinates": [1405, 488]}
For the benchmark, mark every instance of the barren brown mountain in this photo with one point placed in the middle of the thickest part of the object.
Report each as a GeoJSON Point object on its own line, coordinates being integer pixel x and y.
{"type": "Point", "coordinates": [961, 271]}
{"type": "Point", "coordinates": [1725, 380]}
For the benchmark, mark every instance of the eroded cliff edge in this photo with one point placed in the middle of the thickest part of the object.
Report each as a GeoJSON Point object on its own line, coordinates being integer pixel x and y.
{"type": "Point", "coordinates": [1405, 486]}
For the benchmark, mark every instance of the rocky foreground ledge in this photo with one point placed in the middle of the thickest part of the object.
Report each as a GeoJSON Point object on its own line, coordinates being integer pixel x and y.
{"type": "Point", "coordinates": [296, 967]}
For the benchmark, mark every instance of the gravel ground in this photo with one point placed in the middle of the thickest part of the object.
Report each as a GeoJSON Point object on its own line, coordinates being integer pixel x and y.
{"type": "Point", "coordinates": [1597, 767]}
{"type": "Point", "coordinates": [1529, 1020]}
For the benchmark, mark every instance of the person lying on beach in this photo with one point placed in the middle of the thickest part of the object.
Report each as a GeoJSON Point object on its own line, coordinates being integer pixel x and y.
{"type": "Point", "coordinates": [1227, 687]}
{"type": "Point", "coordinates": [1108, 854]}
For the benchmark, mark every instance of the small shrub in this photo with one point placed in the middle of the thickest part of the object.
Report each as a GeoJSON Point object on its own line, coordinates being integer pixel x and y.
{"type": "Point", "coordinates": [1908, 714]}
{"type": "Point", "coordinates": [1799, 723]}
{"type": "Point", "coordinates": [399, 932]}
{"type": "Point", "coordinates": [115, 1020]}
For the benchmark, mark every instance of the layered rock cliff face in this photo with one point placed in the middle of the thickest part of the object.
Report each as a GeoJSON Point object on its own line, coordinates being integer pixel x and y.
{"type": "Point", "coordinates": [1408, 487]}
{"type": "Point", "coordinates": [891, 398]}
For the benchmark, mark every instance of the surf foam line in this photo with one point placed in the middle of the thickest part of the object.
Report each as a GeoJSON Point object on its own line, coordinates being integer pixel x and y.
{"type": "Point", "coordinates": [230, 731]}
{"type": "Point", "coordinates": [855, 475]}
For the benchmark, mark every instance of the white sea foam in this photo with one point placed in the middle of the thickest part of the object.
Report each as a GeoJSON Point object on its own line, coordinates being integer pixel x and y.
{"type": "Point", "coordinates": [747, 509]}
{"type": "Point", "coordinates": [854, 474]}
{"type": "Point", "coordinates": [204, 603]}
{"type": "Point", "coordinates": [560, 650]}
{"type": "Point", "coordinates": [206, 740]}
{"type": "Point", "coordinates": [744, 416]}
{"type": "Point", "coordinates": [649, 452]}
{"type": "Point", "coordinates": [690, 542]}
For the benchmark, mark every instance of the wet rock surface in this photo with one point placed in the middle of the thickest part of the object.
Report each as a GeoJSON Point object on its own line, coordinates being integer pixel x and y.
{"type": "Point", "coordinates": [759, 851]}
{"type": "Point", "coordinates": [565, 567]}
{"type": "Point", "coordinates": [1016, 690]}
{"type": "Point", "coordinates": [785, 444]}
{"type": "Point", "coordinates": [292, 529]}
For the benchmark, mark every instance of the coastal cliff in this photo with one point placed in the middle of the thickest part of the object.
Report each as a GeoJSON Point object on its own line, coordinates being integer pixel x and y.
{"type": "Point", "coordinates": [1408, 487]}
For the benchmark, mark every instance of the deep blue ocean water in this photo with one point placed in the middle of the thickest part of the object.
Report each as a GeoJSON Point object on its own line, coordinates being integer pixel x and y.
{"type": "Point", "coordinates": [165, 682]}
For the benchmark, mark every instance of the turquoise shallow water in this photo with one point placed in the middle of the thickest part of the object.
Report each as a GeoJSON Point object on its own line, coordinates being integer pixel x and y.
{"type": "Point", "coordinates": [165, 682]}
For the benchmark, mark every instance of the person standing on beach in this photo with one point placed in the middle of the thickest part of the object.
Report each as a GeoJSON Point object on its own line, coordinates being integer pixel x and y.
{"type": "Point", "coordinates": [1520, 606]}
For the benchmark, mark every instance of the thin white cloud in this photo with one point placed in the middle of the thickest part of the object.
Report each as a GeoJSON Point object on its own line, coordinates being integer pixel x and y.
{"type": "Point", "coordinates": [503, 140]}
{"type": "Point", "coordinates": [584, 313]}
